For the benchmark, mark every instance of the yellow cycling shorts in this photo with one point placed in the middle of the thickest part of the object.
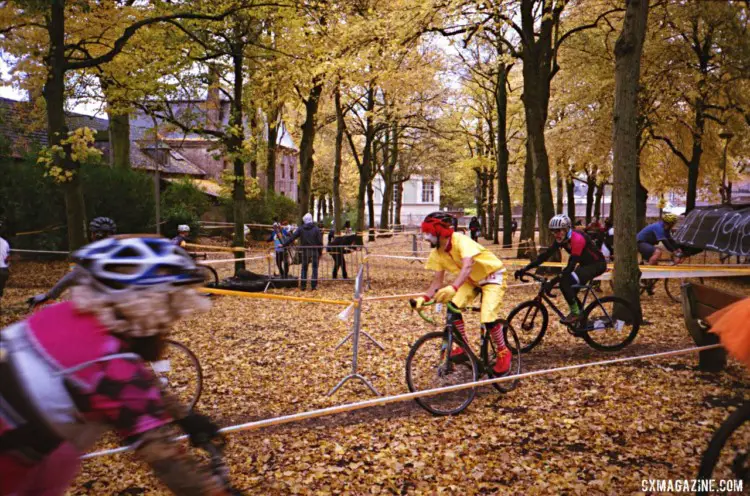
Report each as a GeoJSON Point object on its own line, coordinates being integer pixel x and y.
{"type": "Point", "coordinates": [492, 299]}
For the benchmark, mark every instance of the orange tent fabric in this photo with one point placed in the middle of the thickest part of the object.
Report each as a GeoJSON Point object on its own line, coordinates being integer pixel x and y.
{"type": "Point", "coordinates": [732, 325]}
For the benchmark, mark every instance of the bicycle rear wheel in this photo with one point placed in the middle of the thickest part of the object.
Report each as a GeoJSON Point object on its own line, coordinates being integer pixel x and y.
{"type": "Point", "coordinates": [529, 320]}
{"type": "Point", "coordinates": [610, 324]}
{"type": "Point", "coordinates": [728, 454]}
{"type": "Point", "coordinates": [179, 372]}
{"type": "Point", "coordinates": [428, 366]}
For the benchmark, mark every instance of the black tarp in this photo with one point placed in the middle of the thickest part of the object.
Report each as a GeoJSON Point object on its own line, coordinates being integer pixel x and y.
{"type": "Point", "coordinates": [724, 228]}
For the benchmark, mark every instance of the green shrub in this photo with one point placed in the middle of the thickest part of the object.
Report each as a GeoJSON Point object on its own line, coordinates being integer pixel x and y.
{"type": "Point", "coordinates": [125, 195]}
{"type": "Point", "coordinates": [264, 208]}
{"type": "Point", "coordinates": [182, 203]}
{"type": "Point", "coordinates": [31, 202]}
{"type": "Point", "coordinates": [176, 215]}
{"type": "Point", "coordinates": [186, 195]}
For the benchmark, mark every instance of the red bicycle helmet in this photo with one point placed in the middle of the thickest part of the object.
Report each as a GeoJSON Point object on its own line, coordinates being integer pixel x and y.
{"type": "Point", "coordinates": [439, 224]}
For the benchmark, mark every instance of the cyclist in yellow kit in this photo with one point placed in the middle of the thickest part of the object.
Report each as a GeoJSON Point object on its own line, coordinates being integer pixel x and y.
{"type": "Point", "coordinates": [476, 269]}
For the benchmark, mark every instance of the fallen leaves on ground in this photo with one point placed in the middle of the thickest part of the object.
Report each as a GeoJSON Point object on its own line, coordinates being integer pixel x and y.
{"type": "Point", "coordinates": [600, 430]}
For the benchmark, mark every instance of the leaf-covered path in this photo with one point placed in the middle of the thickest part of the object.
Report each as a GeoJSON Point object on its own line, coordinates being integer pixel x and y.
{"type": "Point", "coordinates": [601, 430]}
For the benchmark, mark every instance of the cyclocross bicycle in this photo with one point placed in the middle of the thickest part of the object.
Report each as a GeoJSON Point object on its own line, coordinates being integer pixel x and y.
{"type": "Point", "coordinates": [430, 366]}
{"type": "Point", "coordinates": [727, 457]}
{"type": "Point", "coordinates": [608, 323]}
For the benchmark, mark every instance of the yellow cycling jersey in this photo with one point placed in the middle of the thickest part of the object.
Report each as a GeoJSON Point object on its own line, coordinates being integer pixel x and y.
{"type": "Point", "coordinates": [460, 247]}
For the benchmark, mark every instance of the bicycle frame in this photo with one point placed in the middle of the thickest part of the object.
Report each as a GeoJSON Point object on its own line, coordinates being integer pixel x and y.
{"type": "Point", "coordinates": [451, 334]}
{"type": "Point", "coordinates": [544, 297]}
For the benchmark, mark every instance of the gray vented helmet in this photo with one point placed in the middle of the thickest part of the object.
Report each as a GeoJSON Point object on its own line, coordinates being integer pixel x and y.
{"type": "Point", "coordinates": [560, 221]}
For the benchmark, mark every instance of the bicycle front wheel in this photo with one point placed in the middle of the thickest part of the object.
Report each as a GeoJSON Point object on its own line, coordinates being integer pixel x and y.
{"type": "Point", "coordinates": [428, 366]}
{"type": "Point", "coordinates": [529, 320]}
{"type": "Point", "coordinates": [610, 324]}
{"type": "Point", "coordinates": [180, 373]}
{"type": "Point", "coordinates": [728, 454]}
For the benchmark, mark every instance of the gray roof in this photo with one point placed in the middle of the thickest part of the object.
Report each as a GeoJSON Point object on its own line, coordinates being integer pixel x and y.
{"type": "Point", "coordinates": [25, 129]}
{"type": "Point", "coordinates": [141, 157]}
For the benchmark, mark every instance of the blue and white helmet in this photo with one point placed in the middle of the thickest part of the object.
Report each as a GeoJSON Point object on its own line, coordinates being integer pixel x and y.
{"type": "Point", "coordinates": [132, 263]}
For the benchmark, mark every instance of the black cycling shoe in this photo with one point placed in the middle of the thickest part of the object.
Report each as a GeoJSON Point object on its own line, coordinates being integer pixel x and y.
{"type": "Point", "coordinates": [572, 319]}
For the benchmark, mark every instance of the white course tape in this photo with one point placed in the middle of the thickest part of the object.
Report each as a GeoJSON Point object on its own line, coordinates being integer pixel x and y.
{"type": "Point", "coordinates": [348, 407]}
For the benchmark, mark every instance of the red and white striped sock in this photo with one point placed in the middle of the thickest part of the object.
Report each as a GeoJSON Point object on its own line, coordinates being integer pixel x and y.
{"type": "Point", "coordinates": [496, 334]}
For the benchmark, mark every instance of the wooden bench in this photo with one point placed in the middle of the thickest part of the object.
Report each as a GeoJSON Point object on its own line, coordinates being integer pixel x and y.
{"type": "Point", "coordinates": [698, 302]}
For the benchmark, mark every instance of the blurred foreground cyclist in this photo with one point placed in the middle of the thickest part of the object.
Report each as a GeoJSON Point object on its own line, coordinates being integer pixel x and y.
{"type": "Point", "coordinates": [74, 370]}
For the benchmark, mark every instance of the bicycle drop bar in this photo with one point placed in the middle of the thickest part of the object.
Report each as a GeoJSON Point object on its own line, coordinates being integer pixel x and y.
{"type": "Point", "coordinates": [450, 306]}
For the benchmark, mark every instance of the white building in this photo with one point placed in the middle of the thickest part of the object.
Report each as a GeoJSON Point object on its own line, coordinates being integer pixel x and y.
{"type": "Point", "coordinates": [421, 196]}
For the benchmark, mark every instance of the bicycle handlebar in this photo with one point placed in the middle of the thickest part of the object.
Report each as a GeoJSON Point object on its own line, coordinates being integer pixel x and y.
{"type": "Point", "coordinates": [413, 304]}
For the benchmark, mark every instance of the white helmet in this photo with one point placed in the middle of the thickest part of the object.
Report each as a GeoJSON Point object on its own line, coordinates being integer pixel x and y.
{"type": "Point", "coordinates": [121, 265]}
{"type": "Point", "coordinates": [183, 228]}
{"type": "Point", "coordinates": [560, 221]}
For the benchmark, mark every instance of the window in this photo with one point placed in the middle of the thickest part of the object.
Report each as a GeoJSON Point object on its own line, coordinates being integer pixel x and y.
{"type": "Point", "coordinates": [291, 171]}
{"type": "Point", "coordinates": [428, 191]}
{"type": "Point", "coordinates": [283, 170]}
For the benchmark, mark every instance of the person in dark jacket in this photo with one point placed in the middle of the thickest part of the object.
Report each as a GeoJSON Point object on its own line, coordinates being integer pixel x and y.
{"type": "Point", "coordinates": [309, 236]}
{"type": "Point", "coordinates": [474, 228]}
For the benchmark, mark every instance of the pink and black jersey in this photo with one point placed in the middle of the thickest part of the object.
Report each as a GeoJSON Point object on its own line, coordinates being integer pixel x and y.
{"type": "Point", "coordinates": [581, 248]}
{"type": "Point", "coordinates": [67, 379]}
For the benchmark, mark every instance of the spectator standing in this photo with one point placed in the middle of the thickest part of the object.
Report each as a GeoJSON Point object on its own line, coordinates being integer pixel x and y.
{"type": "Point", "coordinates": [513, 227]}
{"type": "Point", "coordinates": [282, 262]}
{"type": "Point", "coordinates": [311, 242]}
{"type": "Point", "coordinates": [347, 228]}
{"type": "Point", "coordinates": [4, 261]}
{"type": "Point", "coordinates": [474, 229]}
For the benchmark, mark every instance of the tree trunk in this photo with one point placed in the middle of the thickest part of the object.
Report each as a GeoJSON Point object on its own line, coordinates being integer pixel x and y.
{"type": "Point", "coordinates": [537, 74]}
{"type": "Point", "coordinates": [306, 162]}
{"type": "Point", "coordinates": [323, 200]}
{"type": "Point", "coordinates": [528, 214]}
{"type": "Point", "coordinates": [311, 207]}
{"type": "Point", "coordinates": [570, 189]}
{"type": "Point", "coordinates": [502, 155]}
{"type": "Point", "coordinates": [397, 207]}
{"type": "Point", "coordinates": [628, 50]}
{"type": "Point", "coordinates": [234, 149]}
{"type": "Point", "coordinates": [559, 197]}
{"type": "Point", "coordinates": [365, 166]}
{"type": "Point", "coordinates": [119, 133]}
{"type": "Point", "coordinates": [273, 136]}
{"type": "Point", "coordinates": [371, 211]}
{"type": "Point", "coordinates": [598, 201]}
{"type": "Point", "coordinates": [590, 190]}
{"type": "Point", "coordinates": [337, 160]}
{"type": "Point", "coordinates": [491, 227]}
{"type": "Point", "coordinates": [57, 130]}
{"type": "Point", "coordinates": [641, 203]}
{"type": "Point", "coordinates": [390, 159]}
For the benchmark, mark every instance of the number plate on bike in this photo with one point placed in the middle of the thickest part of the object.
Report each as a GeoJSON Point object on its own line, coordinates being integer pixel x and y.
{"type": "Point", "coordinates": [161, 366]}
